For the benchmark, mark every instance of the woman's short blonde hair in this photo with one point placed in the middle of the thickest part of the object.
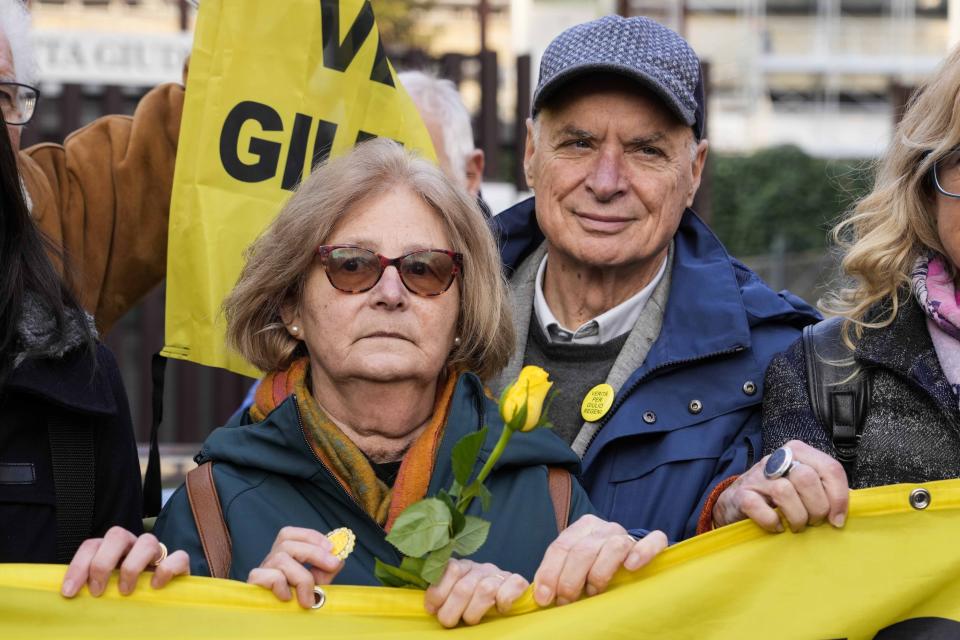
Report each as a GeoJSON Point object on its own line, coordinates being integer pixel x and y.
{"type": "Point", "coordinates": [279, 260]}
{"type": "Point", "coordinates": [896, 222]}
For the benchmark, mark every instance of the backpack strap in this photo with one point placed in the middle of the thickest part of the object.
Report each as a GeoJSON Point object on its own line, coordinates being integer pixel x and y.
{"type": "Point", "coordinates": [74, 467]}
{"type": "Point", "coordinates": [207, 514]}
{"type": "Point", "coordinates": [561, 489]}
{"type": "Point", "coordinates": [839, 389]}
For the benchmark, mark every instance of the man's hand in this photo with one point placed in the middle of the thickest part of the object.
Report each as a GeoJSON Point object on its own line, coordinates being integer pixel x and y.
{"type": "Point", "coordinates": [584, 558]}
{"type": "Point", "coordinates": [814, 490]}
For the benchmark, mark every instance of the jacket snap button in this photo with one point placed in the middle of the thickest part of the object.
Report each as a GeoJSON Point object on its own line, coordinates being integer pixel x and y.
{"type": "Point", "coordinates": [749, 387]}
{"type": "Point", "coordinates": [695, 406]}
{"type": "Point", "coordinates": [649, 417]}
{"type": "Point", "coordinates": [920, 499]}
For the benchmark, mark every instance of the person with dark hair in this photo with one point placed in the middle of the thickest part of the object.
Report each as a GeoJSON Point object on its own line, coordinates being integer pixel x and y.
{"type": "Point", "coordinates": [68, 458]}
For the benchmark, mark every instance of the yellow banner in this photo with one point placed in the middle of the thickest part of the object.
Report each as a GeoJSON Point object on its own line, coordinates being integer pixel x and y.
{"type": "Point", "coordinates": [272, 86]}
{"type": "Point", "coordinates": [891, 565]}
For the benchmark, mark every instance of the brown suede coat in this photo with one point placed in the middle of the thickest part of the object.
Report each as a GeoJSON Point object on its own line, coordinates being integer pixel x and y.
{"type": "Point", "coordinates": [104, 197]}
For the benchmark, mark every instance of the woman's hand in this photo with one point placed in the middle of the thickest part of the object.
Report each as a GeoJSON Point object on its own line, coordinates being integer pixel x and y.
{"type": "Point", "coordinates": [815, 489]}
{"type": "Point", "coordinates": [284, 566]}
{"type": "Point", "coordinates": [586, 555]}
{"type": "Point", "coordinates": [96, 559]}
{"type": "Point", "coordinates": [468, 590]}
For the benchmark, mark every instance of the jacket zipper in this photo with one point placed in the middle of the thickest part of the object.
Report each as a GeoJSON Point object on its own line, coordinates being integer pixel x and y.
{"type": "Point", "coordinates": [323, 466]}
{"type": "Point", "coordinates": [624, 394]}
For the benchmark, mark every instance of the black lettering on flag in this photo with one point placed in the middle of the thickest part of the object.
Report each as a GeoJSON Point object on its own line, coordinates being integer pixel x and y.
{"type": "Point", "coordinates": [338, 54]}
{"type": "Point", "coordinates": [297, 152]}
{"type": "Point", "coordinates": [268, 152]}
{"type": "Point", "coordinates": [324, 141]}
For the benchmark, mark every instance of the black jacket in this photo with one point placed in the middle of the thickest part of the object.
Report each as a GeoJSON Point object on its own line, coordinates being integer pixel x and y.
{"type": "Point", "coordinates": [911, 430]}
{"type": "Point", "coordinates": [75, 392]}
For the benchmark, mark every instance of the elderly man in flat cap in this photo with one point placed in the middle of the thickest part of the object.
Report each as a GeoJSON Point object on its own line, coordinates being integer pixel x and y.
{"type": "Point", "coordinates": [657, 338]}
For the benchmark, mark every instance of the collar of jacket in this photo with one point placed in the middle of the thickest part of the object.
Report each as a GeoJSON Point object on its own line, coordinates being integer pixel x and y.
{"type": "Point", "coordinates": [713, 299]}
{"type": "Point", "coordinates": [278, 445]}
{"type": "Point", "coordinates": [77, 381]}
{"type": "Point", "coordinates": [905, 348]}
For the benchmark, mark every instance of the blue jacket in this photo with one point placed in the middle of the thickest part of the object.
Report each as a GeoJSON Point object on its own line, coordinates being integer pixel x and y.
{"type": "Point", "coordinates": [657, 456]}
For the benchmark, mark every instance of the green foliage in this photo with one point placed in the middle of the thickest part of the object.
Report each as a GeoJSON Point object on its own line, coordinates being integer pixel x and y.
{"type": "Point", "coordinates": [436, 562]}
{"type": "Point", "coordinates": [421, 528]}
{"type": "Point", "coordinates": [781, 191]}
{"type": "Point", "coordinates": [403, 576]}
{"type": "Point", "coordinates": [465, 453]}
{"type": "Point", "coordinates": [472, 537]}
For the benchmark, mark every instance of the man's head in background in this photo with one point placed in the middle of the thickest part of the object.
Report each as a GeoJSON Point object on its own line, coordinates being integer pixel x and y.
{"type": "Point", "coordinates": [448, 122]}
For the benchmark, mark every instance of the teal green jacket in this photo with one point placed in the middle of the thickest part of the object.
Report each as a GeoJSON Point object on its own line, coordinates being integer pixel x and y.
{"type": "Point", "coordinates": [268, 477]}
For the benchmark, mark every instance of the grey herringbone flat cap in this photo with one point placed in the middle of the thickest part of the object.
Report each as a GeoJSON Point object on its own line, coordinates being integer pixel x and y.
{"type": "Point", "coordinates": [637, 48]}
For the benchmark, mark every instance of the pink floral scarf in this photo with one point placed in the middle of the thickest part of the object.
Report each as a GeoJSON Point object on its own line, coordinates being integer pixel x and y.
{"type": "Point", "coordinates": [936, 292]}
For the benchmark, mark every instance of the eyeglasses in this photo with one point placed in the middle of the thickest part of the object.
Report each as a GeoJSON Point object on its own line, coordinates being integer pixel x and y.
{"type": "Point", "coordinates": [428, 272]}
{"type": "Point", "coordinates": [946, 174]}
{"type": "Point", "coordinates": [17, 102]}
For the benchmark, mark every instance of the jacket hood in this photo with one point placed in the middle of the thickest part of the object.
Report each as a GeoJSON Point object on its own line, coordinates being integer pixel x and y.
{"type": "Point", "coordinates": [278, 445]}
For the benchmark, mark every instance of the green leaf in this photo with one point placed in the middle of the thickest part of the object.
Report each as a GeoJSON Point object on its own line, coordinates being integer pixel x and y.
{"type": "Point", "coordinates": [464, 456]}
{"type": "Point", "coordinates": [455, 490]}
{"type": "Point", "coordinates": [544, 422]}
{"type": "Point", "coordinates": [516, 422]}
{"type": "Point", "coordinates": [472, 537]}
{"type": "Point", "coordinates": [391, 576]}
{"type": "Point", "coordinates": [485, 497]}
{"type": "Point", "coordinates": [412, 565]}
{"type": "Point", "coordinates": [457, 517]}
{"type": "Point", "coordinates": [436, 563]}
{"type": "Point", "coordinates": [422, 527]}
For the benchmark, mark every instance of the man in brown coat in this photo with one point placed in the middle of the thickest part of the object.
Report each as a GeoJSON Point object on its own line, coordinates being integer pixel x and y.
{"type": "Point", "coordinates": [104, 195]}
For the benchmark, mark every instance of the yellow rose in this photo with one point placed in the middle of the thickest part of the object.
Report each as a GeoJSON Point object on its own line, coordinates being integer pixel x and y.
{"type": "Point", "coordinates": [530, 389]}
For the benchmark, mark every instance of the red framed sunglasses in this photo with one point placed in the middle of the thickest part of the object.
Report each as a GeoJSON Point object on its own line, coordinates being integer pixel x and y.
{"type": "Point", "coordinates": [352, 269]}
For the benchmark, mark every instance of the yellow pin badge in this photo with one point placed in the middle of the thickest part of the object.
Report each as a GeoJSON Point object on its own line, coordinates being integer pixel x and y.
{"type": "Point", "coordinates": [343, 541]}
{"type": "Point", "coordinates": [597, 402]}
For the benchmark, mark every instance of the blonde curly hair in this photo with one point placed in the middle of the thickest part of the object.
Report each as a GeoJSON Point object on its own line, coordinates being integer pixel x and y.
{"type": "Point", "coordinates": [889, 228]}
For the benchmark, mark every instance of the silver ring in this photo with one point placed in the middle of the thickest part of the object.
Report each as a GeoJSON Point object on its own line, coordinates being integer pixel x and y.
{"type": "Point", "coordinates": [779, 463]}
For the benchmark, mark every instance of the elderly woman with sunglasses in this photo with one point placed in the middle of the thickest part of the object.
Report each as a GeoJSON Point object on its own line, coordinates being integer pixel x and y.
{"type": "Point", "coordinates": [376, 302]}
{"type": "Point", "coordinates": [898, 327]}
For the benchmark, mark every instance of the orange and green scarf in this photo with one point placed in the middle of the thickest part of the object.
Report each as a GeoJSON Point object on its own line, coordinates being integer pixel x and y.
{"type": "Point", "coordinates": [343, 458]}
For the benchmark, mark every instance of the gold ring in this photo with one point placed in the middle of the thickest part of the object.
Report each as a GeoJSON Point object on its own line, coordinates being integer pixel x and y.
{"type": "Point", "coordinates": [163, 555]}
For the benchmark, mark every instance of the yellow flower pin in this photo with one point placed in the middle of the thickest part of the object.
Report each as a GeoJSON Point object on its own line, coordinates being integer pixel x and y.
{"type": "Point", "coordinates": [343, 541]}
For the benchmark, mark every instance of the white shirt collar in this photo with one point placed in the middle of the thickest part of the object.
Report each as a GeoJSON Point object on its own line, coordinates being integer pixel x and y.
{"type": "Point", "coordinates": [611, 324]}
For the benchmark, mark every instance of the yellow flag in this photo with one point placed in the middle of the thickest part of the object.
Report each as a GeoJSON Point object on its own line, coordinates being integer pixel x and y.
{"type": "Point", "coordinates": [892, 566]}
{"type": "Point", "coordinates": [272, 87]}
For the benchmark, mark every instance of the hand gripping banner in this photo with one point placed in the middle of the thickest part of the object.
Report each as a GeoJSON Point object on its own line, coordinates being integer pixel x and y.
{"type": "Point", "coordinates": [892, 572]}
{"type": "Point", "coordinates": [273, 87]}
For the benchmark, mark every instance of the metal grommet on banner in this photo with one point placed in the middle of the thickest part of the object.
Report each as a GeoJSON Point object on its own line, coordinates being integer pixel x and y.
{"type": "Point", "coordinates": [920, 499]}
{"type": "Point", "coordinates": [319, 598]}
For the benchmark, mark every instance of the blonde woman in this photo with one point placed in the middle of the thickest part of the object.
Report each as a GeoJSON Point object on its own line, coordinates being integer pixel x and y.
{"type": "Point", "coordinates": [900, 322]}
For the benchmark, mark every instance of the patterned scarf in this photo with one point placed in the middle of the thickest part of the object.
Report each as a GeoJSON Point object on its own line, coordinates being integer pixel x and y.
{"type": "Point", "coordinates": [343, 458]}
{"type": "Point", "coordinates": [935, 291]}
